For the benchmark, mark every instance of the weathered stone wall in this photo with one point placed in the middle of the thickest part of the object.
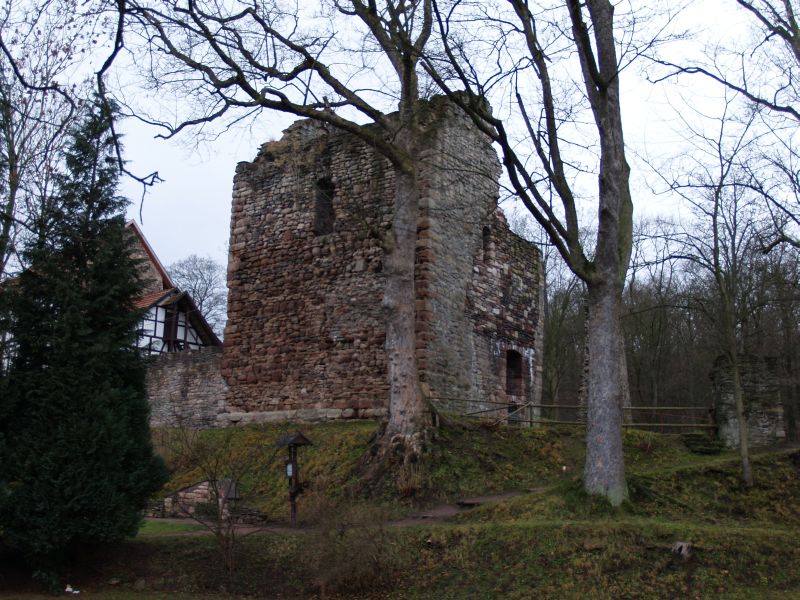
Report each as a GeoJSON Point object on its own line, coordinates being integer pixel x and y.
{"type": "Point", "coordinates": [760, 384]}
{"type": "Point", "coordinates": [186, 388]}
{"type": "Point", "coordinates": [478, 284]}
{"type": "Point", "coordinates": [506, 309]}
{"type": "Point", "coordinates": [305, 327]}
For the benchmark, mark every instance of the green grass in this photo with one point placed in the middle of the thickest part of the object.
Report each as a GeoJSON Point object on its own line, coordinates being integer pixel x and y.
{"type": "Point", "coordinates": [466, 458]}
{"type": "Point", "coordinates": [707, 491]}
{"type": "Point", "coordinates": [248, 454]}
{"type": "Point", "coordinates": [555, 542]}
{"type": "Point", "coordinates": [152, 528]}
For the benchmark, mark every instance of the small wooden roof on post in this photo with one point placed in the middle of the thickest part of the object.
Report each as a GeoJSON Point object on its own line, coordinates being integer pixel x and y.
{"type": "Point", "coordinates": [293, 439]}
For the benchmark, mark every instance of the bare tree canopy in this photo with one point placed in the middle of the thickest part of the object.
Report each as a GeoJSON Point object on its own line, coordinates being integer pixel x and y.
{"type": "Point", "coordinates": [725, 233]}
{"type": "Point", "coordinates": [204, 279]}
{"type": "Point", "coordinates": [34, 117]}
{"type": "Point", "coordinates": [762, 70]}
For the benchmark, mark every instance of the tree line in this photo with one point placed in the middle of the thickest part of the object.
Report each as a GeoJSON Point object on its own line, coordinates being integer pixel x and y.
{"type": "Point", "coordinates": [670, 325]}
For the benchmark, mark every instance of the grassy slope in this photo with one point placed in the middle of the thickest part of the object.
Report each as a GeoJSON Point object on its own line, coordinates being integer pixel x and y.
{"type": "Point", "coordinates": [467, 459]}
{"type": "Point", "coordinates": [554, 543]}
{"type": "Point", "coordinates": [745, 540]}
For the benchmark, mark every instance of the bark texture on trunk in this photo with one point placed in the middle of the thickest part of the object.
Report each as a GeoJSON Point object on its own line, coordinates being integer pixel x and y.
{"type": "Point", "coordinates": [625, 388]}
{"type": "Point", "coordinates": [604, 470]}
{"type": "Point", "coordinates": [731, 351]}
{"type": "Point", "coordinates": [624, 383]}
{"type": "Point", "coordinates": [407, 411]}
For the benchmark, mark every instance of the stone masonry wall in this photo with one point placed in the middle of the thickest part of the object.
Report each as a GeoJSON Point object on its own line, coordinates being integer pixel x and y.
{"type": "Point", "coordinates": [460, 173]}
{"type": "Point", "coordinates": [305, 329]}
{"type": "Point", "coordinates": [506, 302]}
{"type": "Point", "coordinates": [763, 407]}
{"type": "Point", "coordinates": [479, 285]}
{"type": "Point", "coordinates": [186, 388]}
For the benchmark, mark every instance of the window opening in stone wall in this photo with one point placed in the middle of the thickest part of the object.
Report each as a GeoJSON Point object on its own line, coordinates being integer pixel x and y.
{"type": "Point", "coordinates": [324, 215]}
{"type": "Point", "coordinates": [514, 381]}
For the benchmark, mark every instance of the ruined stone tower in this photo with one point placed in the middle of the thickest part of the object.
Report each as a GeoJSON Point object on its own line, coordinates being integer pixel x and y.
{"type": "Point", "coordinates": [305, 328]}
{"type": "Point", "coordinates": [762, 397]}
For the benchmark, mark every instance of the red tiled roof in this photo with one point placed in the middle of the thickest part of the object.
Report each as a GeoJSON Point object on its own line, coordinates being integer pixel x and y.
{"type": "Point", "coordinates": [150, 299]}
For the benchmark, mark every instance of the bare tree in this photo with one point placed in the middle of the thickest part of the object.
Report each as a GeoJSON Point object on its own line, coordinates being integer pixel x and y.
{"type": "Point", "coordinates": [33, 117]}
{"type": "Point", "coordinates": [204, 279]}
{"type": "Point", "coordinates": [237, 59]}
{"type": "Point", "coordinates": [764, 72]}
{"type": "Point", "coordinates": [762, 69]}
{"type": "Point", "coordinates": [226, 466]}
{"type": "Point", "coordinates": [652, 298]}
{"type": "Point", "coordinates": [767, 77]}
{"type": "Point", "coordinates": [535, 50]}
{"type": "Point", "coordinates": [723, 236]}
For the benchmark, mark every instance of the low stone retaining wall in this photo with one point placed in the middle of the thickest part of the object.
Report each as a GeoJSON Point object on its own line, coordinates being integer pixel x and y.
{"type": "Point", "coordinates": [186, 389]}
{"type": "Point", "coordinates": [301, 414]}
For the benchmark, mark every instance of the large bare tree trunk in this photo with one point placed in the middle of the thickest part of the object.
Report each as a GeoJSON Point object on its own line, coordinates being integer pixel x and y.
{"type": "Point", "coordinates": [604, 470]}
{"type": "Point", "coordinates": [407, 413]}
{"type": "Point", "coordinates": [727, 289]}
{"type": "Point", "coordinates": [625, 388]}
{"type": "Point", "coordinates": [744, 444]}
{"type": "Point", "coordinates": [624, 383]}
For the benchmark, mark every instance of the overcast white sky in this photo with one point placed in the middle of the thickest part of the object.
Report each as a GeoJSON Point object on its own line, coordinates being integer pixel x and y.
{"type": "Point", "coordinates": [189, 213]}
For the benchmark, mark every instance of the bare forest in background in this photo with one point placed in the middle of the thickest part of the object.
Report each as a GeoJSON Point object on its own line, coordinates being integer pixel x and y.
{"type": "Point", "coordinates": [670, 330]}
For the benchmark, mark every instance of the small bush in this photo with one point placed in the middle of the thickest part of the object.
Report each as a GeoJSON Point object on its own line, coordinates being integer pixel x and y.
{"type": "Point", "coordinates": [350, 549]}
{"type": "Point", "coordinates": [702, 443]}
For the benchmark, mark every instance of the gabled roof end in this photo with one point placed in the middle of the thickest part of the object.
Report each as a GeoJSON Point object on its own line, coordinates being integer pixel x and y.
{"type": "Point", "coordinates": [165, 278]}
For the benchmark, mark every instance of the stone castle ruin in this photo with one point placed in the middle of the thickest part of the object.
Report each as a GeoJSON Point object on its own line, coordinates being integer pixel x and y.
{"type": "Point", "coordinates": [763, 407]}
{"type": "Point", "coordinates": [305, 332]}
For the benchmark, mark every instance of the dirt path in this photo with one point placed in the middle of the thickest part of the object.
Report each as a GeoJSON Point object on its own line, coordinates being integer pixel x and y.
{"type": "Point", "coordinates": [437, 514]}
{"type": "Point", "coordinates": [434, 514]}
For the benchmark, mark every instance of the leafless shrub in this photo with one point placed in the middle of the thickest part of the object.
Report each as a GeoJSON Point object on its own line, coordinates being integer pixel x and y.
{"type": "Point", "coordinates": [350, 548]}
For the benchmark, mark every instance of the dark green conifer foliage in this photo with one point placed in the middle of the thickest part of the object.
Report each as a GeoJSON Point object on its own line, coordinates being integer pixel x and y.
{"type": "Point", "coordinates": [76, 461]}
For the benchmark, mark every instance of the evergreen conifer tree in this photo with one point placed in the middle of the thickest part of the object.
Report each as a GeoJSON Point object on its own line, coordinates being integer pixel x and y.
{"type": "Point", "coordinates": [76, 460]}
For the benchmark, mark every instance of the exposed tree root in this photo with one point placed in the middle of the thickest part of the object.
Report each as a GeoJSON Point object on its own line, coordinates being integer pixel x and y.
{"type": "Point", "coordinates": [396, 459]}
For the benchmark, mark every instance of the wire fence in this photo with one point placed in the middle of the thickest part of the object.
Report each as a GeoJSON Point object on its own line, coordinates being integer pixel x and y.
{"type": "Point", "coordinates": [657, 418]}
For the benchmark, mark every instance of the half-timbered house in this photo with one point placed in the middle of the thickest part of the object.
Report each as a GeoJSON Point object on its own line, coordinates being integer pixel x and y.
{"type": "Point", "coordinates": [171, 321]}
